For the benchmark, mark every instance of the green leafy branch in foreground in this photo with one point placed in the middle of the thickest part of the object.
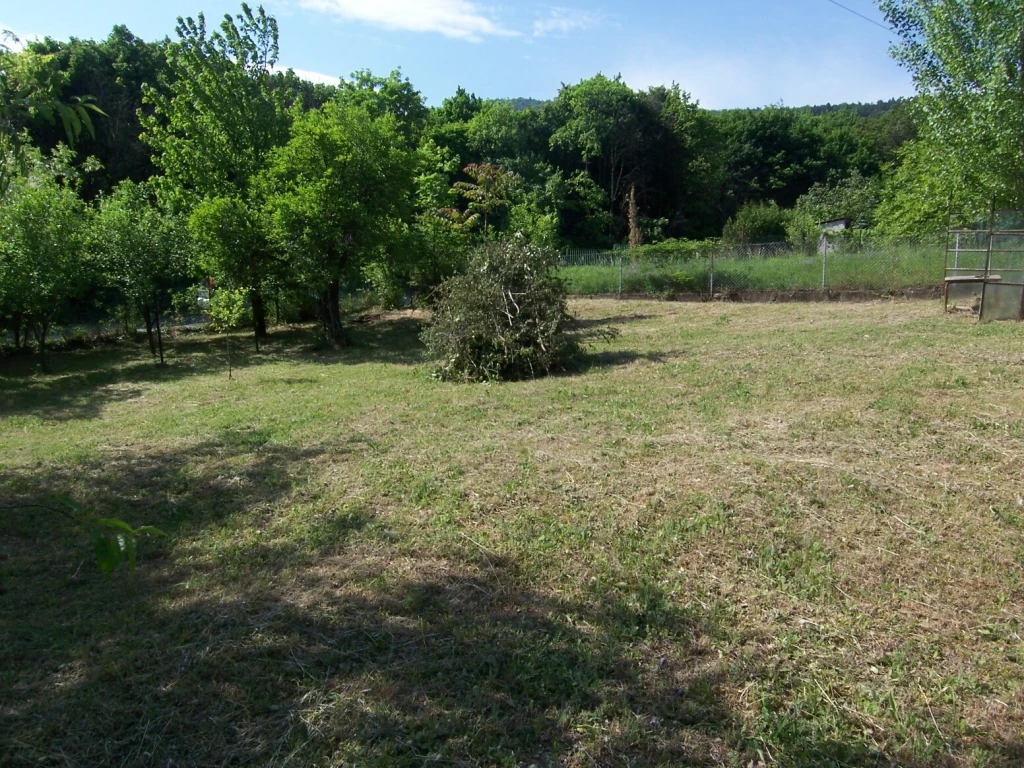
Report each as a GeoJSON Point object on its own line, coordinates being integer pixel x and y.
{"type": "Point", "coordinates": [115, 542]}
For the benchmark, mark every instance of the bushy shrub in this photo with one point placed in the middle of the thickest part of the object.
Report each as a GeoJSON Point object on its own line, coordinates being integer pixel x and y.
{"type": "Point", "coordinates": [384, 285]}
{"type": "Point", "coordinates": [757, 223]}
{"type": "Point", "coordinates": [506, 318]}
{"type": "Point", "coordinates": [229, 310]}
{"type": "Point", "coordinates": [675, 250]}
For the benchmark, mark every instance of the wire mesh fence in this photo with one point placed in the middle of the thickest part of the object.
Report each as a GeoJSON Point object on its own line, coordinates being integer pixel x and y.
{"type": "Point", "coordinates": [852, 263]}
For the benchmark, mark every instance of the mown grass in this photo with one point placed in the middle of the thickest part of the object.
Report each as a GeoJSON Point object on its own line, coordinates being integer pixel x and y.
{"type": "Point", "coordinates": [736, 535]}
{"type": "Point", "coordinates": [894, 269]}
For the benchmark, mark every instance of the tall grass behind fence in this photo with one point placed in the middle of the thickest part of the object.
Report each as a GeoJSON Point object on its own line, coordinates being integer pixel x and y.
{"type": "Point", "coordinates": [851, 264]}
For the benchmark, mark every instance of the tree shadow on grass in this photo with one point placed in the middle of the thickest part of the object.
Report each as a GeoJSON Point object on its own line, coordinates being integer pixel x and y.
{"type": "Point", "coordinates": [328, 638]}
{"type": "Point", "coordinates": [394, 340]}
{"type": "Point", "coordinates": [84, 383]}
{"type": "Point", "coordinates": [593, 360]}
{"type": "Point", "coordinates": [360, 661]}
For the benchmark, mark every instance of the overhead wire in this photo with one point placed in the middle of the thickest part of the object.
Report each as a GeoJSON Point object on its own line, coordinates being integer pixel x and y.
{"type": "Point", "coordinates": [861, 15]}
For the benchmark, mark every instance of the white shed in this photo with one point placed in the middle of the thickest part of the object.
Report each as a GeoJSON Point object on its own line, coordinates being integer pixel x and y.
{"type": "Point", "coordinates": [829, 230]}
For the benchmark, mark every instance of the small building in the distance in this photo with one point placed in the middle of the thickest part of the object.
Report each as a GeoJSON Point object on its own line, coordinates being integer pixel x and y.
{"type": "Point", "coordinates": [829, 230]}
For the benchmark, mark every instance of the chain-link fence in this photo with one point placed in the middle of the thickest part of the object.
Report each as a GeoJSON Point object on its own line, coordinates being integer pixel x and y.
{"type": "Point", "coordinates": [849, 263]}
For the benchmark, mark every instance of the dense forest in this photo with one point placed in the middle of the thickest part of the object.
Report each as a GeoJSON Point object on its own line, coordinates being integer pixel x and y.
{"type": "Point", "coordinates": [133, 172]}
{"type": "Point", "coordinates": [576, 157]}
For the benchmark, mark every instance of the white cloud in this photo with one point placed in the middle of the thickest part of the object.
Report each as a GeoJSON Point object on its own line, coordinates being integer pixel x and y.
{"type": "Point", "coordinates": [562, 21]}
{"type": "Point", "coordinates": [460, 19]}
{"type": "Point", "coordinates": [311, 76]}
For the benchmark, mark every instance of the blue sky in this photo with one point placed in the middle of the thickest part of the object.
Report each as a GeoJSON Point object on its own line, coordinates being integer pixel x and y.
{"type": "Point", "coordinates": [726, 53]}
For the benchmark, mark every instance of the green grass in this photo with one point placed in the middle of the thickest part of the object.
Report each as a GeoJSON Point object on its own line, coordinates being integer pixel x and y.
{"type": "Point", "coordinates": [873, 270]}
{"type": "Point", "coordinates": [735, 535]}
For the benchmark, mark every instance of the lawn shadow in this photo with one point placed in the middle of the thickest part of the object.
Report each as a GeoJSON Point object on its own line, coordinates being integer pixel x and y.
{"type": "Point", "coordinates": [393, 339]}
{"type": "Point", "coordinates": [591, 360]}
{"type": "Point", "coordinates": [332, 640]}
{"type": "Point", "coordinates": [83, 383]}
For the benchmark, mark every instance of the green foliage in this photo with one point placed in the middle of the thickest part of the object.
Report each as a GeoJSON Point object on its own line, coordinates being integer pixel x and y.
{"type": "Point", "coordinates": [506, 318]}
{"type": "Point", "coordinates": [384, 284]}
{"type": "Point", "coordinates": [229, 310]}
{"type": "Point", "coordinates": [141, 248]}
{"type": "Point", "coordinates": [338, 199]}
{"type": "Point", "coordinates": [392, 95]}
{"type": "Point", "coordinates": [854, 197]}
{"type": "Point", "coordinates": [776, 154]}
{"type": "Point", "coordinates": [757, 223]}
{"type": "Point", "coordinates": [115, 542]}
{"type": "Point", "coordinates": [489, 192]}
{"type": "Point", "coordinates": [113, 71]}
{"type": "Point", "coordinates": [600, 124]}
{"type": "Point", "coordinates": [44, 263]}
{"type": "Point", "coordinates": [216, 115]}
{"type": "Point", "coordinates": [675, 249]}
{"type": "Point", "coordinates": [918, 194]}
{"type": "Point", "coordinates": [234, 245]}
{"type": "Point", "coordinates": [30, 84]}
{"type": "Point", "coordinates": [967, 59]}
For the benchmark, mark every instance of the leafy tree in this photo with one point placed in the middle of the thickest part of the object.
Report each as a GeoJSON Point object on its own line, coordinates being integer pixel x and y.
{"type": "Point", "coordinates": [392, 95]}
{"type": "Point", "coordinates": [113, 72]}
{"type": "Point", "coordinates": [217, 116]}
{"type": "Point", "coordinates": [339, 198]}
{"type": "Point", "coordinates": [888, 131]}
{"type": "Point", "coordinates": [458, 108]}
{"type": "Point", "coordinates": [967, 60]}
{"type": "Point", "coordinates": [489, 191]}
{"type": "Point", "coordinates": [601, 128]}
{"type": "Point", "coordinates": [499, 133]}
{"type": "Point", "coordinates": [440, 241]}
{"type": "Point", "coordinates": [141, 249]}
{"type": "Point", "coordinates": [505, 318]}
{"type": "Point", "coordinates": [683, 170]}
{"type": "Point", "coordinates": [43, 258]}
{"type": "Point", "coordinates": [30, 86]}
{"type": "Point", "coordinates": [774, 155]}
{"type": "Point", "coordinates": [854, 197]}
{"type": "Point", "coordinates": [918, 194]}
{"type": "Point", "coordinates": [757, 223]}
{"type": "Point", "coordinates": [229, 312]}
{"type": "Point", "coordinates": [236, 250]}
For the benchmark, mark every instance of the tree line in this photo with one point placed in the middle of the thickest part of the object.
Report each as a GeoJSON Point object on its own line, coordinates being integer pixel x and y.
{"type": "Point", "coordinates": [132, 169]}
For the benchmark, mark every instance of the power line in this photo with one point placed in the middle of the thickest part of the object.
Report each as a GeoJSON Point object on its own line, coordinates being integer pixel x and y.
{"type": "Point", "coordinates": [855, 13]}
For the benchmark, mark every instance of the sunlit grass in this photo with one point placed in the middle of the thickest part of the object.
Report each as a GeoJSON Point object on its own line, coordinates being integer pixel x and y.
{"type": "Point", "coordinates": [735, 535]}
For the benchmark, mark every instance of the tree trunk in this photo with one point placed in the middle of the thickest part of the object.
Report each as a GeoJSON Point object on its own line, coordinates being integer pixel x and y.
{"type": "Point", "coordinates": [41, 331]}
{"type": "Point", "coordinates": [259, 315]}
{"type": "Point", "coordinates": [17, 330]}
{"type": "Point", "coordinates": [146, 313]}
{"type": "Point", "coordinates": [329, 308]}
{"type": "Point", "coordinates": [635, 235]}
{"type": "Point", "coordinates": [159, 335]}
{"type": "Point", "coordinates": [1020, 85]}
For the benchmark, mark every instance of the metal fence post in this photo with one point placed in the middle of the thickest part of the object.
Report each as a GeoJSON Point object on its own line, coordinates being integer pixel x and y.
{"type": "Point", "coordinates": [712, 274]}
{"type": "Point", "coordinates": [620, 275]}
{"type": "Point", "coordinates": [824, 269]}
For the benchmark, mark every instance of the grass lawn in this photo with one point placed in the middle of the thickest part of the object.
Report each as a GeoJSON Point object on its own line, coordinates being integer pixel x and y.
{"type": "Point", "coordinates": [738, 535]}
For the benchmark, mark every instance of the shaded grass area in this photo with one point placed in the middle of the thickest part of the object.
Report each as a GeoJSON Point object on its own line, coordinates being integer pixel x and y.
{"type": "Point", "coordinates": [872, 270]}
{"type": "Point", "coordinates": [734, 535]}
